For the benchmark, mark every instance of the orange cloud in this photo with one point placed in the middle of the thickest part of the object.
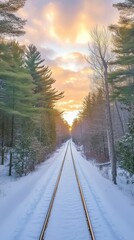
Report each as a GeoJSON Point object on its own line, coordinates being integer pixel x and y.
{"type": "Point", "coordinates": [76, 86]}
{"type": "Point", "coordinates": [66, 21]}
{"type": "Point", "coordinates": [60, 30]}
{"type": "Point", "coordinates": [73, 61]}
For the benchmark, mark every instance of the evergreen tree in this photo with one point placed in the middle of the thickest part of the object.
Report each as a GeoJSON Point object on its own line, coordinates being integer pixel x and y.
{"type": "Point", "coordinates": [13, 26]}
{"type": "Point", "coordinates": [42, 78]}
{"type": "Point", "coordinates": [90, 130]}
{"type": "Point", "coordinates": [125, 149]}
{"type": "Point", "coordinates": [122, 78]}
{"type": "Point", "coordinates": [123, 38]}
{"type": "Point", "coordinates": [17, 89]}
{"type": "Point", "coordinates": [9, 23]}
{"type": "Point", "coordinates": [87, 106]}
{"type": "Point", "coordinates": [46, 95]}
{"type": "Point", "coordinates": [62, 129]}
{"type": "Point", "coordinates": [25, 156]}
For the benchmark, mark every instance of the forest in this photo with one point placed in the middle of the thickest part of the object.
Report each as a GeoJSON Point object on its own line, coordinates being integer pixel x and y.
{"type": "Point", "coordinates": [31, 127]}
{"type": "Point", "coordinates": [105, 127]}
{"type": "Point", "coordinates": [67, 119]}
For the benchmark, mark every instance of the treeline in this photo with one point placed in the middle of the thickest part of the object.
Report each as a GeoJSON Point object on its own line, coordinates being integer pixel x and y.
{"type": "Point", "coordinates": [90, 129]}
{"type": "Point", "coordinates": [105, 126]}
{"type": "Point", "coordinates": [30, 126]}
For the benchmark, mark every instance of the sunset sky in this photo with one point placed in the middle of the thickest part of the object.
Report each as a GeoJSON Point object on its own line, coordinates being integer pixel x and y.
{"type": "Point", "coordinates": [60, 31]}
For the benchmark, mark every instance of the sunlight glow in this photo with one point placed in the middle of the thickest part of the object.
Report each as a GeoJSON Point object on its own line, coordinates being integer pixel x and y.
{"type": "Point", "coordinates": [70, 116]}
{"type": "Point", "coordinates": [83, 37]}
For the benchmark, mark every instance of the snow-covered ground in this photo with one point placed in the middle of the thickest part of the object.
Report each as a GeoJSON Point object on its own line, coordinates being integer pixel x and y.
{"type": "Point", "coordinates": [112, 212]}
{"type": "Point", "coordinates": [24, 202]}
{"type": "Point", "coordinates": [67, 220]}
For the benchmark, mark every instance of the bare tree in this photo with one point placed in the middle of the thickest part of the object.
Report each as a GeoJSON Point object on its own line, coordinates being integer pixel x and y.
{"type": "Point", "coordinates": [99, 58]}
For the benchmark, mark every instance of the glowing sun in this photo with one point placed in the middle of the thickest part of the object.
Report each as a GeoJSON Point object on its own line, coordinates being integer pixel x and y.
{"type": "Point", "coordinates": [69, 116]}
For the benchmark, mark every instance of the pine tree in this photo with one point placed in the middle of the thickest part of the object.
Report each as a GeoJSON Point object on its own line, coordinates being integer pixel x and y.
{"type": "Point", "coordinates": [9, 23]}
{"type": "Point", "coordinates": [46, 95]}
{"type": "Point", "coordinates": [17, 89]}
{"type": "Point", "coordinates": [13, 26]}
{"type": "Point", "coordinates": [122, 77]}
{"type": "Point", "coordinates": [125, 149]}
{"type": "Point", "coordinates": [42, 78]}
{"type": "Point", "coordinates": [87, 106]}
{"type": "Point", "coordinates": [62, 129]}
{"type": "Point", "coordinates": [90, 128]}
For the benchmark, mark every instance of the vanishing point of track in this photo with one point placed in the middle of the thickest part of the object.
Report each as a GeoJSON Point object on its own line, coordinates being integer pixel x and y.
{"type": "Point", "coordinates": [46, 221]}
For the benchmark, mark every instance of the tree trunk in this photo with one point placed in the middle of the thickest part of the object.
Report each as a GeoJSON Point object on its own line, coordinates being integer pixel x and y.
{"type": "Point", "coordinates": [12, 135]}
{"type": "Point", "coordinates": [2, 155]}
{"type": "Point", "coordinates": [3, 141]}
{"type": "Point", "coordinates": [10, 164]}
{"type": "Point", "coordinates": [104, 146]}
{"type": "Point", "coordinates": [12, 132]}
{"type": "Point", "coordinates": [11, 145]}
{"type": "Point", "coordinates": [121, 122]}
{"type": "Point", "coordinates": [110, 126]}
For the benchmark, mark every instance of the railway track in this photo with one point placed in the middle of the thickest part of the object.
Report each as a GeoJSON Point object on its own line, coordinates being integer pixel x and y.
{"type": "Point", "coordinates": [46, 221]}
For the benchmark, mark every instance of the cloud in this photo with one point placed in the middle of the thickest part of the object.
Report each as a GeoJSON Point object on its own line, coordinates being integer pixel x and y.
{"type": "Point", "coordinates": [73, 61]}
{"type": "Point", "coordinates": [75, 85]}
{"type": "Point", "coordinates": [47, 53]}
{"type": "Point", "coordinates": [60, 30]}
{"type": "Point", "coordinates": [65, 21]}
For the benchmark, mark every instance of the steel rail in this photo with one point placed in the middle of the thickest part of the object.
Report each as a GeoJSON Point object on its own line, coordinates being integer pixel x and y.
{"type": "Point", "coordinates": [52, 200]}
{"type": "Point", "coordinates": [45, 224]}
{"type": "Point", "coordinates": [83, 199]}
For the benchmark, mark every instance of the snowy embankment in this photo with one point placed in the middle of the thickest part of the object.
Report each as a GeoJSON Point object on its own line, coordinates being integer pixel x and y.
{"type": "Point", "coordinates": [24, 202]}
{"type": "Point", "coordinates": [112, 212]}
{"type": "Point", "coordinates": [21, 199]}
